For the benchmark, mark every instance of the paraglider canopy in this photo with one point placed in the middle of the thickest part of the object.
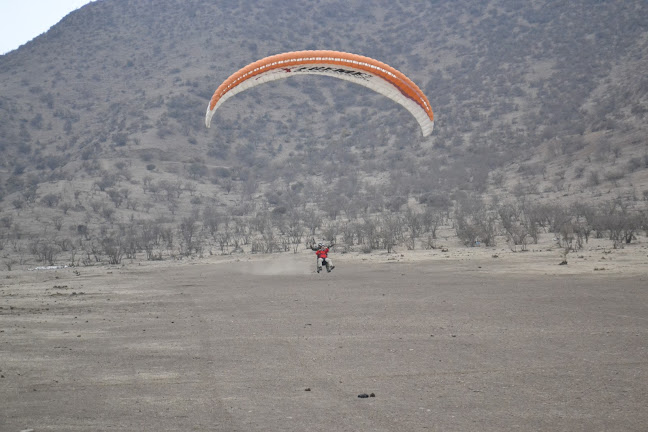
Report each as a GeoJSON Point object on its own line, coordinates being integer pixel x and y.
{"type": "Point", "coordinates": [362, 70]}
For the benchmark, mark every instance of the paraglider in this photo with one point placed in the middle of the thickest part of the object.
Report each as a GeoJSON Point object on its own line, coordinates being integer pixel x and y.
{"type": "Point", "coordinates": [361, 70]}
{"type": "Point", "coordinates": [321, 252]}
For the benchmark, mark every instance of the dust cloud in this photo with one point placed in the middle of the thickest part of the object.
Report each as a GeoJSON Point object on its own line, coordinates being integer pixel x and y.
{"type": "Point", "coordinates": [280, 265]}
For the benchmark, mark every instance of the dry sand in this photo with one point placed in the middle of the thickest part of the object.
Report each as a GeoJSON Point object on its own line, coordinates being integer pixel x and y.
{"type": "Point", "coordinates": [446, 341]}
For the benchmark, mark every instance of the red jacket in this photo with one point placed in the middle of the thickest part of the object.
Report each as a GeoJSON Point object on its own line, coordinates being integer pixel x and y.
{"type": "Point", "coordinates": [322, 253]}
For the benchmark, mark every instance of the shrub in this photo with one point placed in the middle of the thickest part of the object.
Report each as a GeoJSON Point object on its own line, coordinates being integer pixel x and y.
{"type": "Point", "coordinates": [50, 200]}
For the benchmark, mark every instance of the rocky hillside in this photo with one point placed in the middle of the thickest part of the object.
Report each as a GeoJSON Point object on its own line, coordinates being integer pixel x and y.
{"type": "Point", "coordinates": [101, 120]}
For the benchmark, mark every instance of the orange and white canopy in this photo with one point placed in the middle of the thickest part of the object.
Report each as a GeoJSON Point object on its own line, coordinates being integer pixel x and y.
{"type": "Point", "coordinates": [365, 71]}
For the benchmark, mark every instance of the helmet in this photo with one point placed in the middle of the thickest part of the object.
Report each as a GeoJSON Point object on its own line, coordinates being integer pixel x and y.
{"type": "Point", "coordinates": [320, 245]}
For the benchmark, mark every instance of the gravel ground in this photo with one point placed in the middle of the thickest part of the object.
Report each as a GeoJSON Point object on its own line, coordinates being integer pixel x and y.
{"type": "Point", "coordinates": [447, 344]}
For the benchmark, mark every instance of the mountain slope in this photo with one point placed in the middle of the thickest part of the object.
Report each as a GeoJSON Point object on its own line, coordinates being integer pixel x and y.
{"type": "Point", "coordinates": [532, 98]}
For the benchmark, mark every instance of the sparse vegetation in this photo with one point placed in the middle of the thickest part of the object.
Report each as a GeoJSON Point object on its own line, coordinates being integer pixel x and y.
{"type": "Point", "coordinates": [122, 165]}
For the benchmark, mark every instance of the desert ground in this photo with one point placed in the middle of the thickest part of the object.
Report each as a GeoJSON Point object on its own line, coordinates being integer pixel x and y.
{"type": "Point", "coordinates": [472, 339]}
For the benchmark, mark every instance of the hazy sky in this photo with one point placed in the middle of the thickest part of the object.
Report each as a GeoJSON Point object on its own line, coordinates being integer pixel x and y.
{"type": "Point", "coordinates": [23, 20]}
